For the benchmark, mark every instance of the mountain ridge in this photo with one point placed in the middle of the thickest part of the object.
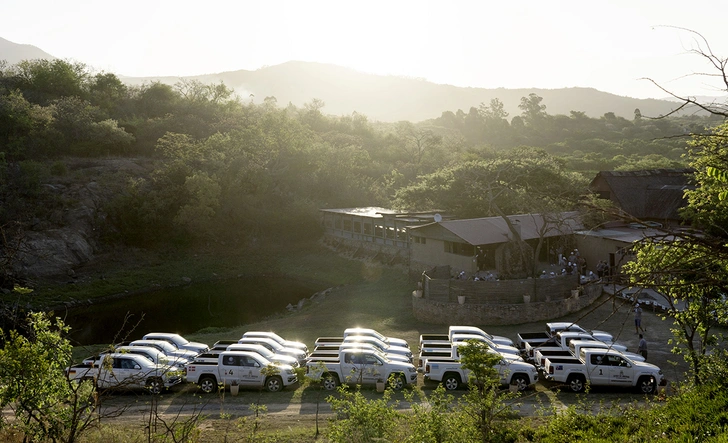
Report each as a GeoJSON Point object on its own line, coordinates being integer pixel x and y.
{"type": "Point", "coordinates": [383, 97]}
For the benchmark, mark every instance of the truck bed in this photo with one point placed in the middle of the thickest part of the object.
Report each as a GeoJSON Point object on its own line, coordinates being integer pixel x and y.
{"type": "Point", "coordinates": [542, 355]}
{"type": "Point", "coordinates": [433, 336]}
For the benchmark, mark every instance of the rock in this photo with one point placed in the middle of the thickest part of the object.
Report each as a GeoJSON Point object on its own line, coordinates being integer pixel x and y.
{"type": "Point", "coordinates": [301, 302]}
{"type": "Point", "coordinates": [187, 280]}
{"type": "Point", "coordinates": [290, 307]}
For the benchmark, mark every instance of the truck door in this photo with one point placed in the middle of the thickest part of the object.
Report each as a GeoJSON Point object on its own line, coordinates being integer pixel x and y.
{"type": "Point", "coordinates": [372, 369]}
{"type": "Point", "coordinates": [352, 368]}
{"type": "Point", "coordinates": [249, 371]}
{"type": "Point", "coordinates": [124, 373]}
{"type": "Point", "coordinates": [599, 369]}
{"type": "Point", "coordinates": [620, 371]}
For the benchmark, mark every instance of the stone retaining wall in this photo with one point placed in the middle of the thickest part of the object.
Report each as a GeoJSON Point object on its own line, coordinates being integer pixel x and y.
{"type": "Point", "coordinates": [450, 313]}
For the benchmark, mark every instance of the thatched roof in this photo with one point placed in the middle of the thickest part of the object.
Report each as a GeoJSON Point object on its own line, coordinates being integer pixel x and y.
{"type": "Point", "coordinates": [654, 194]}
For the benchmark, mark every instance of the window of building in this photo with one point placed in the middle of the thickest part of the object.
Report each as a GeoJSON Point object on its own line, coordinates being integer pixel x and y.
{"type": "Point", "coordinates": [347, 225]}
{"type": "Point", "coordinates": [357, 227]}
{"type": "Point", "coordinates": [367, 228]}
{"type": "Point", "coordinates": [337, 222]}
{"type": "Point", "coordinates": [379, 231]}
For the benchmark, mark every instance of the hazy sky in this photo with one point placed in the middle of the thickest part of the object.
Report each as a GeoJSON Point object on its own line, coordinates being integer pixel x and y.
{"type": "Point", "coordinates": [608, 45]}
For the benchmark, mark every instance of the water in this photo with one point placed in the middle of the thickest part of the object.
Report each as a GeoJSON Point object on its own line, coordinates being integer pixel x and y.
{"type": "Point", "coordinates": [186, 309]}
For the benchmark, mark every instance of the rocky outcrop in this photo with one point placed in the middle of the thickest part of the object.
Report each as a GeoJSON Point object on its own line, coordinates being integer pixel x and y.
{"type": "Point", "coordinates": [69, 237]}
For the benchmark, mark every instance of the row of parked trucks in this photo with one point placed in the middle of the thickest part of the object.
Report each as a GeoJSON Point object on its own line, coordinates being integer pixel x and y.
{"type": "Point", "coordinates": [564, 353]}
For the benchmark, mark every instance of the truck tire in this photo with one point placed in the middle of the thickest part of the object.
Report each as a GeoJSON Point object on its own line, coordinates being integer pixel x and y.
{"type": "Point", "coordinates": [451, 381]}
{"type": "Point", "coordinates": [330, 381]}
{"type": "Point", "coordinates": [155, 385]}
{"type": "Point", "coordinates": [576, 383]}
{"type": "Point", "coordinates": [396, 382]}
{"type": "Point", "coordinates": [274, 383]}
{"type": "Point", "coordinates": [208, 384]}
{"type": "Point", "coordinates": [647, 385]}
{"type": "Point", "coordinates": [521, 381]}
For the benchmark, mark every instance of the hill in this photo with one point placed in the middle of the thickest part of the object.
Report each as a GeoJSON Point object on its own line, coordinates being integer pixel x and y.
{"type": "Point", "coordinates": [379, 97]}
{"type": "Point", "coordinates": [15, 52]}
{"type": "Point", "coordinates": [390, 98]}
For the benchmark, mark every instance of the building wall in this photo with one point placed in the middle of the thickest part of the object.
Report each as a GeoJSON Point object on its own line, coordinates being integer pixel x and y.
{"type": "Point", "coordinates": [594, 248]}
{"type": "Point", "coordinates": [448, 313]}
{"type": "Point", "coordinates": [431, 254]}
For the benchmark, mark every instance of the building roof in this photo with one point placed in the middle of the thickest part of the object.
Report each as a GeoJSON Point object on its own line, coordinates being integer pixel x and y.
{"type": "Point", "coordinates": [648, 194]}
{"type": "Point", "coordinates": [493, 230]}
{"type": "Point", "coordinates": [369, 211]}
{"type": "Point", "coordinates": [377, 212]}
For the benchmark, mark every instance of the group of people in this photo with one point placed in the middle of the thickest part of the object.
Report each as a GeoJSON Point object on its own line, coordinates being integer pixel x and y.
{"type": "Point", "coordinates": [576, 264]}
{"type": "Point", "coordinates": [480, 276]}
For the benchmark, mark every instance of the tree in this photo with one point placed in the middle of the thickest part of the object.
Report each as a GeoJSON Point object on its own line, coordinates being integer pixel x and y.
{"type": "Point", "coordinates": [693, 268]}
{"type": "Point", "coordinates": [416, 145]}
{"type": "Point", "coordinates": [520, 181]}
{"type": "Point", "coordinates": [694, 282]}
{"type": "Point", "coordinates": [707, 203]}
{"type": "Point", "coordinates": [483, 405]}
{"type": "Point", "coordinates": [533, 112]}
{"type": "Point", "coordinates": [34, 385]}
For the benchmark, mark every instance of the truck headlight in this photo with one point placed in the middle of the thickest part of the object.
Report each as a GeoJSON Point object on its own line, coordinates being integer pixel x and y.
{"type": "Point", "coordinates": [412, 369]}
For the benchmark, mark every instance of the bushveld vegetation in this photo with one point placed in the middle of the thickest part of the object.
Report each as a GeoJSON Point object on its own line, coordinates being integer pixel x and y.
{"type": "Point", "coordinates": [229, 171]}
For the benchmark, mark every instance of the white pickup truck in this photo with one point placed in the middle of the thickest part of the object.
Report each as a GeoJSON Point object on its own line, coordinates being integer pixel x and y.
{"type": "Point", "coordinates": [244, 368]}
{"type": "Point", "coordinates": [179, 341]}
{"type": "Point", "coordinates": [392, 341]}
{"type": "Point", "coordinates": [451, 374]}
{"type": "Point", "coordinates": [361, 366]}
{"type": "Point", "coordinates": [576, 345]}
{"type": "Point", "coordinates": [558, 345]}
{"type": "Point", "coordinates": [127, 371]}
{"type": "Point", "coordinates": [429, 337]}
{"type": "Point", "coordinates": [527, 341]}
{"type": "Point", "coordinates": [502, 349]}
{"type": "Point", "coordinates": [603, 367]}
{"type": "Point", "coordinates": [333, 349]}
{"type": "Point", "coordinates": [387, 349]}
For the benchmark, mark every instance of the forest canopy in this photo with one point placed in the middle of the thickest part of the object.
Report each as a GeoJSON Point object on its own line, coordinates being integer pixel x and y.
{"type": "Point", "coordinates": [227, 168]}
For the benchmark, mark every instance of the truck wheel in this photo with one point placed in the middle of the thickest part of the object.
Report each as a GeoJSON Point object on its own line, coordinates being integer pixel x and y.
{"type": "Point", "coordinates": [576, 383]}
{"type": "Point", "coordinates": [208, 384]}
{"type": "Point", "coordinates": [647, 385]}
{"type": "Point", "coordinates": [274, 384]}
{"type": "Point", "coordinates": [330, 381]}
{"type": "Point", "coordinates": [155, 385]}
{"type": "Point", "coordinates": [521, 381]}
{"type": "Point", "coordinates": [396, 382]}
{"type": "Point", "coordinates": [451, 381]}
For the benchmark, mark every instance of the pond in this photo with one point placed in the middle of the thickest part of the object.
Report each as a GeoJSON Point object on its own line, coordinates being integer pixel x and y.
{"type": "Point", "coordinates": [186, 309]}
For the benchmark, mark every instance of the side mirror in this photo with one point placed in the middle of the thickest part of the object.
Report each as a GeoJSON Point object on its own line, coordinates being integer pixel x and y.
{"type": "Point", "coordinates": [257, 365]}
{"type": "Point", "coordinates": [136, 366]}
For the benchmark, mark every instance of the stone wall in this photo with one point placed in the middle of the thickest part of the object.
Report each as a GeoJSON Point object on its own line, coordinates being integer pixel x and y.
{"type": "Point", "coordinates": [449, 313]}
{"type": "Point", "coordinates": [499, 292]}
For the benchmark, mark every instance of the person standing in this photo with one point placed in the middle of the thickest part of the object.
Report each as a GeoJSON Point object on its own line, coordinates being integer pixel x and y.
{"type": "Point", "coordinates": [642, 348]}
{"type": "Point", "coordinates": [638, 319]}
